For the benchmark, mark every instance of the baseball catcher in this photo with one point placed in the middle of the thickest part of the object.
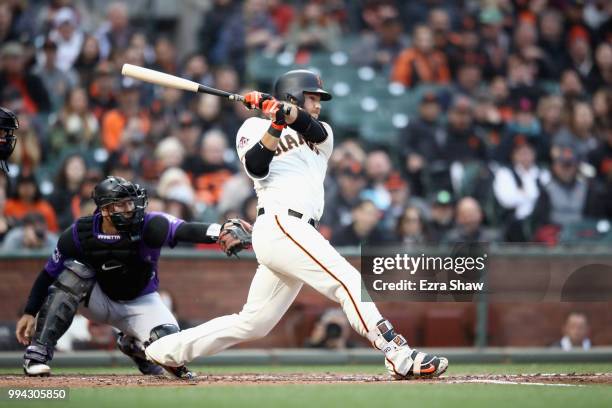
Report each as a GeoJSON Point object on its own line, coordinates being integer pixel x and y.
{"type": "Point", "coordinates": [108, 263]}
{"type": "Point", "coordinates": [8, 125]}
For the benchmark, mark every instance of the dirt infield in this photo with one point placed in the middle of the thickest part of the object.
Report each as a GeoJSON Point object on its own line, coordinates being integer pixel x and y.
{"type": "Point", "coordinates": [76, 380]}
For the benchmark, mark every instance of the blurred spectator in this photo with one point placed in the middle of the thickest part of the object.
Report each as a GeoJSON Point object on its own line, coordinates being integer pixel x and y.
{"type": "Point", "coordinates": [15, 77]}
{"type": "Point", "coordinates": [68, 182]}
{"type": "Point", "coordinates": [82, 203]}
{"type": "Point", "coordinates": [378, 168]}
{"type": "Point", "coordinates": [212, 24]}
{"type": "Point", "coordinates": [210, 171]}
{"type": "Point", "coordinates": [6, 223]}
{"type": "Point", "coordinates": [571, 87]}
{"type": "Point", "coordinates": [601, 158]}
{"type": "Point", "coordinates": [422, 63]}
{"type": "Point", "coordinates": [469, 79]}
{"type": "Point", "coordinates": [380, 49]}
{"type": "Point", "coordinates": [165, 112]}
{"type": "Point", "coordinates": [87, 61]}
{"type": "Point", "coordinates": [115, 33]}
{"type": "Point", "coordinates": [248, 29]}
{"type": "Point", "coordinates": [68, 37]}
{"type": "Point", "coordinates": [282, 15]}
{"type": "Point", "coordinates": [522, 80]}
{"type": "Point", "coordinates": [602, 74]}
{"type": "Point", "coordinates": [198, 70]}
{"type": "Point", "coordinates": [102, 96]}
{"type": "Point", "coordinates": [189, 135]}
{"type": "Point", "coordinates": [174, 184]}
{"type": "Point", "coordinates": [8, 32]}
{"type": "Point", "coordinates": [552, 45]}
{"type": "Point", "coordinates": [28, 199]}
{"type": "Point", "coordinates": [331, 331]}
{"type": "Point", "coordinates": [32, 234]}
{"type": "Point", "coordinates": [422, 142]}
{"type": "Point", "coordinates": [463, 144]}
{"type": "Point", "coordinates": [469, 224]}
{"type": "Point", "coordinates": [128, 123]}
{"type": "Point", "coordinates": [75, 126]}
{"type": "Point", "coordinates": [579, 132]}
{"type": "Point", "coordinates": [526, 47]}
{"type": "Point", "coordinates": [576, 332]}
{"type": "Point", "coordinates": [517, 188]}
{"type": "Point", "coordinates": [495, 41]}
{"type": "Point", "coordinates": [28, 153]}
{"type": "Point", "coordinates": [339, 205]}
{"type": "Point", "coordinates": [567, 197]}
{"type": "Point", "coordinates": [488, 122]}
{"type": "Point", "coordinates": [580, 53]}
{"type": "Point", "coordinates": [523, 125]}
{"type": "Point", "coordinates": [401, 197]}
{"type": "Point", "coordinates": [169, 153]}
{"type": "Point", "coordinates": [442, 214]}
{"type": "Point", "coordinates": [411, 227]}
{"type": "Point", "coordinates": [57, 81]}
{"type": "Point", "coordinates": [464, 48]}
{"type": "Point", "coordinates": [439, 22]}
{"type": "Point", "coordinates": [313, 31]}
{"type": "Point", "coordinates": [363, 230]}
{"type": "Point", "coordinates": [550, 115]}
{"type": "Point", "coordinates": [602, 109]}
{"type": "Point", "coordinates": [165, 56]}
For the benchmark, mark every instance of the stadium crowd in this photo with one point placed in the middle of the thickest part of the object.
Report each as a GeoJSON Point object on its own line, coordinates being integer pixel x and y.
{"type": "Point", "coordinates": [514, 145]}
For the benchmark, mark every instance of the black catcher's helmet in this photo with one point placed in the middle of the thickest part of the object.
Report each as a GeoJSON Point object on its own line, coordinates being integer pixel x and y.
{"type": "Point", "coordinates": [8, 124]}
{"type": "Point", "coordinates": [291, 86]}
{"type": "Point", "coordinates": [117, 189]}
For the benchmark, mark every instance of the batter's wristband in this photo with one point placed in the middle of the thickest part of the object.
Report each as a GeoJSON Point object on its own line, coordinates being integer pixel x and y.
{"type": "Point", "coordinates": [275, 130]}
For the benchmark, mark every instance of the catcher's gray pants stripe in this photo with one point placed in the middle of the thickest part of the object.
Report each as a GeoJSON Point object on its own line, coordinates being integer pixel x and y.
{"type": "Point", "coordinates": [135, 317]}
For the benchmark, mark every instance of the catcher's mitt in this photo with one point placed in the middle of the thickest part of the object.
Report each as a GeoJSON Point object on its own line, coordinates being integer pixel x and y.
{"type": "Point", "coordinates": [235, 236]}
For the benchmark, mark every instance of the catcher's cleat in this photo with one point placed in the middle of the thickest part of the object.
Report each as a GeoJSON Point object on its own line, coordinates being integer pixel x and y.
{"type": "Point", "coordinates": [181, 372]}
{"type": "Point", "coordinates": [33, 368]}
{"type": "Point", "coordinates": [423, 366]}
{"type": "Point", "coordinates": [128, 346]}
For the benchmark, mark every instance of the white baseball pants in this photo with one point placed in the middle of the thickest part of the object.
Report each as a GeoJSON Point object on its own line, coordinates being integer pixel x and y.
{"type": "Point", "coordinates": [290, 253]}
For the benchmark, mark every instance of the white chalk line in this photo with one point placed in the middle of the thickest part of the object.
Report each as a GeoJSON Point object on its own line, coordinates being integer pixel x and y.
{"type": "Point", "coordinates": [505, 382]}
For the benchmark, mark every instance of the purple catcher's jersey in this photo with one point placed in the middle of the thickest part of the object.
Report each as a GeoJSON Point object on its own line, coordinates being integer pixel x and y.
{"type": "Point", "coordinates": [144, 254]}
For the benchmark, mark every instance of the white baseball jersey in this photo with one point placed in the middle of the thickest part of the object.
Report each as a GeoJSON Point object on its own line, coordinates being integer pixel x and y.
{"type": "Point", "coordinates": [297, 171]}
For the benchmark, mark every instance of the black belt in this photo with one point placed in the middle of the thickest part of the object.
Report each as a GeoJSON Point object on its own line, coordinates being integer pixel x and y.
{"type": "Point", "coordinates": [292, 213]}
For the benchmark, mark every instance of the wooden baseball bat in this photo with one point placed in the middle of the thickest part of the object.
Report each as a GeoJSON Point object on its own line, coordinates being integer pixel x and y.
{"type": "Point", "coordinates": [172, 81]}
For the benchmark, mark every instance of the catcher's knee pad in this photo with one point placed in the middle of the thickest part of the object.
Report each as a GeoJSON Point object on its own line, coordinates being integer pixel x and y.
{"type": "Point", "coordinates": [65, 294]}
{"type": "Point", "coordinates": [161, 331]}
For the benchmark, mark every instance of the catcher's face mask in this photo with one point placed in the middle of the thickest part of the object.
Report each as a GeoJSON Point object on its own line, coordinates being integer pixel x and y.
{"type": "Point", "coordinates": [124, 202]}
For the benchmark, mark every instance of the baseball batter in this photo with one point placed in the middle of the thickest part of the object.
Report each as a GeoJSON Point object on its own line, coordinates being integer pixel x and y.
{"type": "Point", "coordinates": [108, 261]}
{"type": "Point", "coordinates": [286, 156]}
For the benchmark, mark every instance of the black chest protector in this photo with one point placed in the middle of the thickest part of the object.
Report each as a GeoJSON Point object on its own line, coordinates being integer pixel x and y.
{"type": "Point", "coordinates": [120, 270]}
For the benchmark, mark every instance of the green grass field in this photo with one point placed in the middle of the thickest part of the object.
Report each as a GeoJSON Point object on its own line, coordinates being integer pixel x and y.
{"type": "Point", "coordinates": [409, 394]}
